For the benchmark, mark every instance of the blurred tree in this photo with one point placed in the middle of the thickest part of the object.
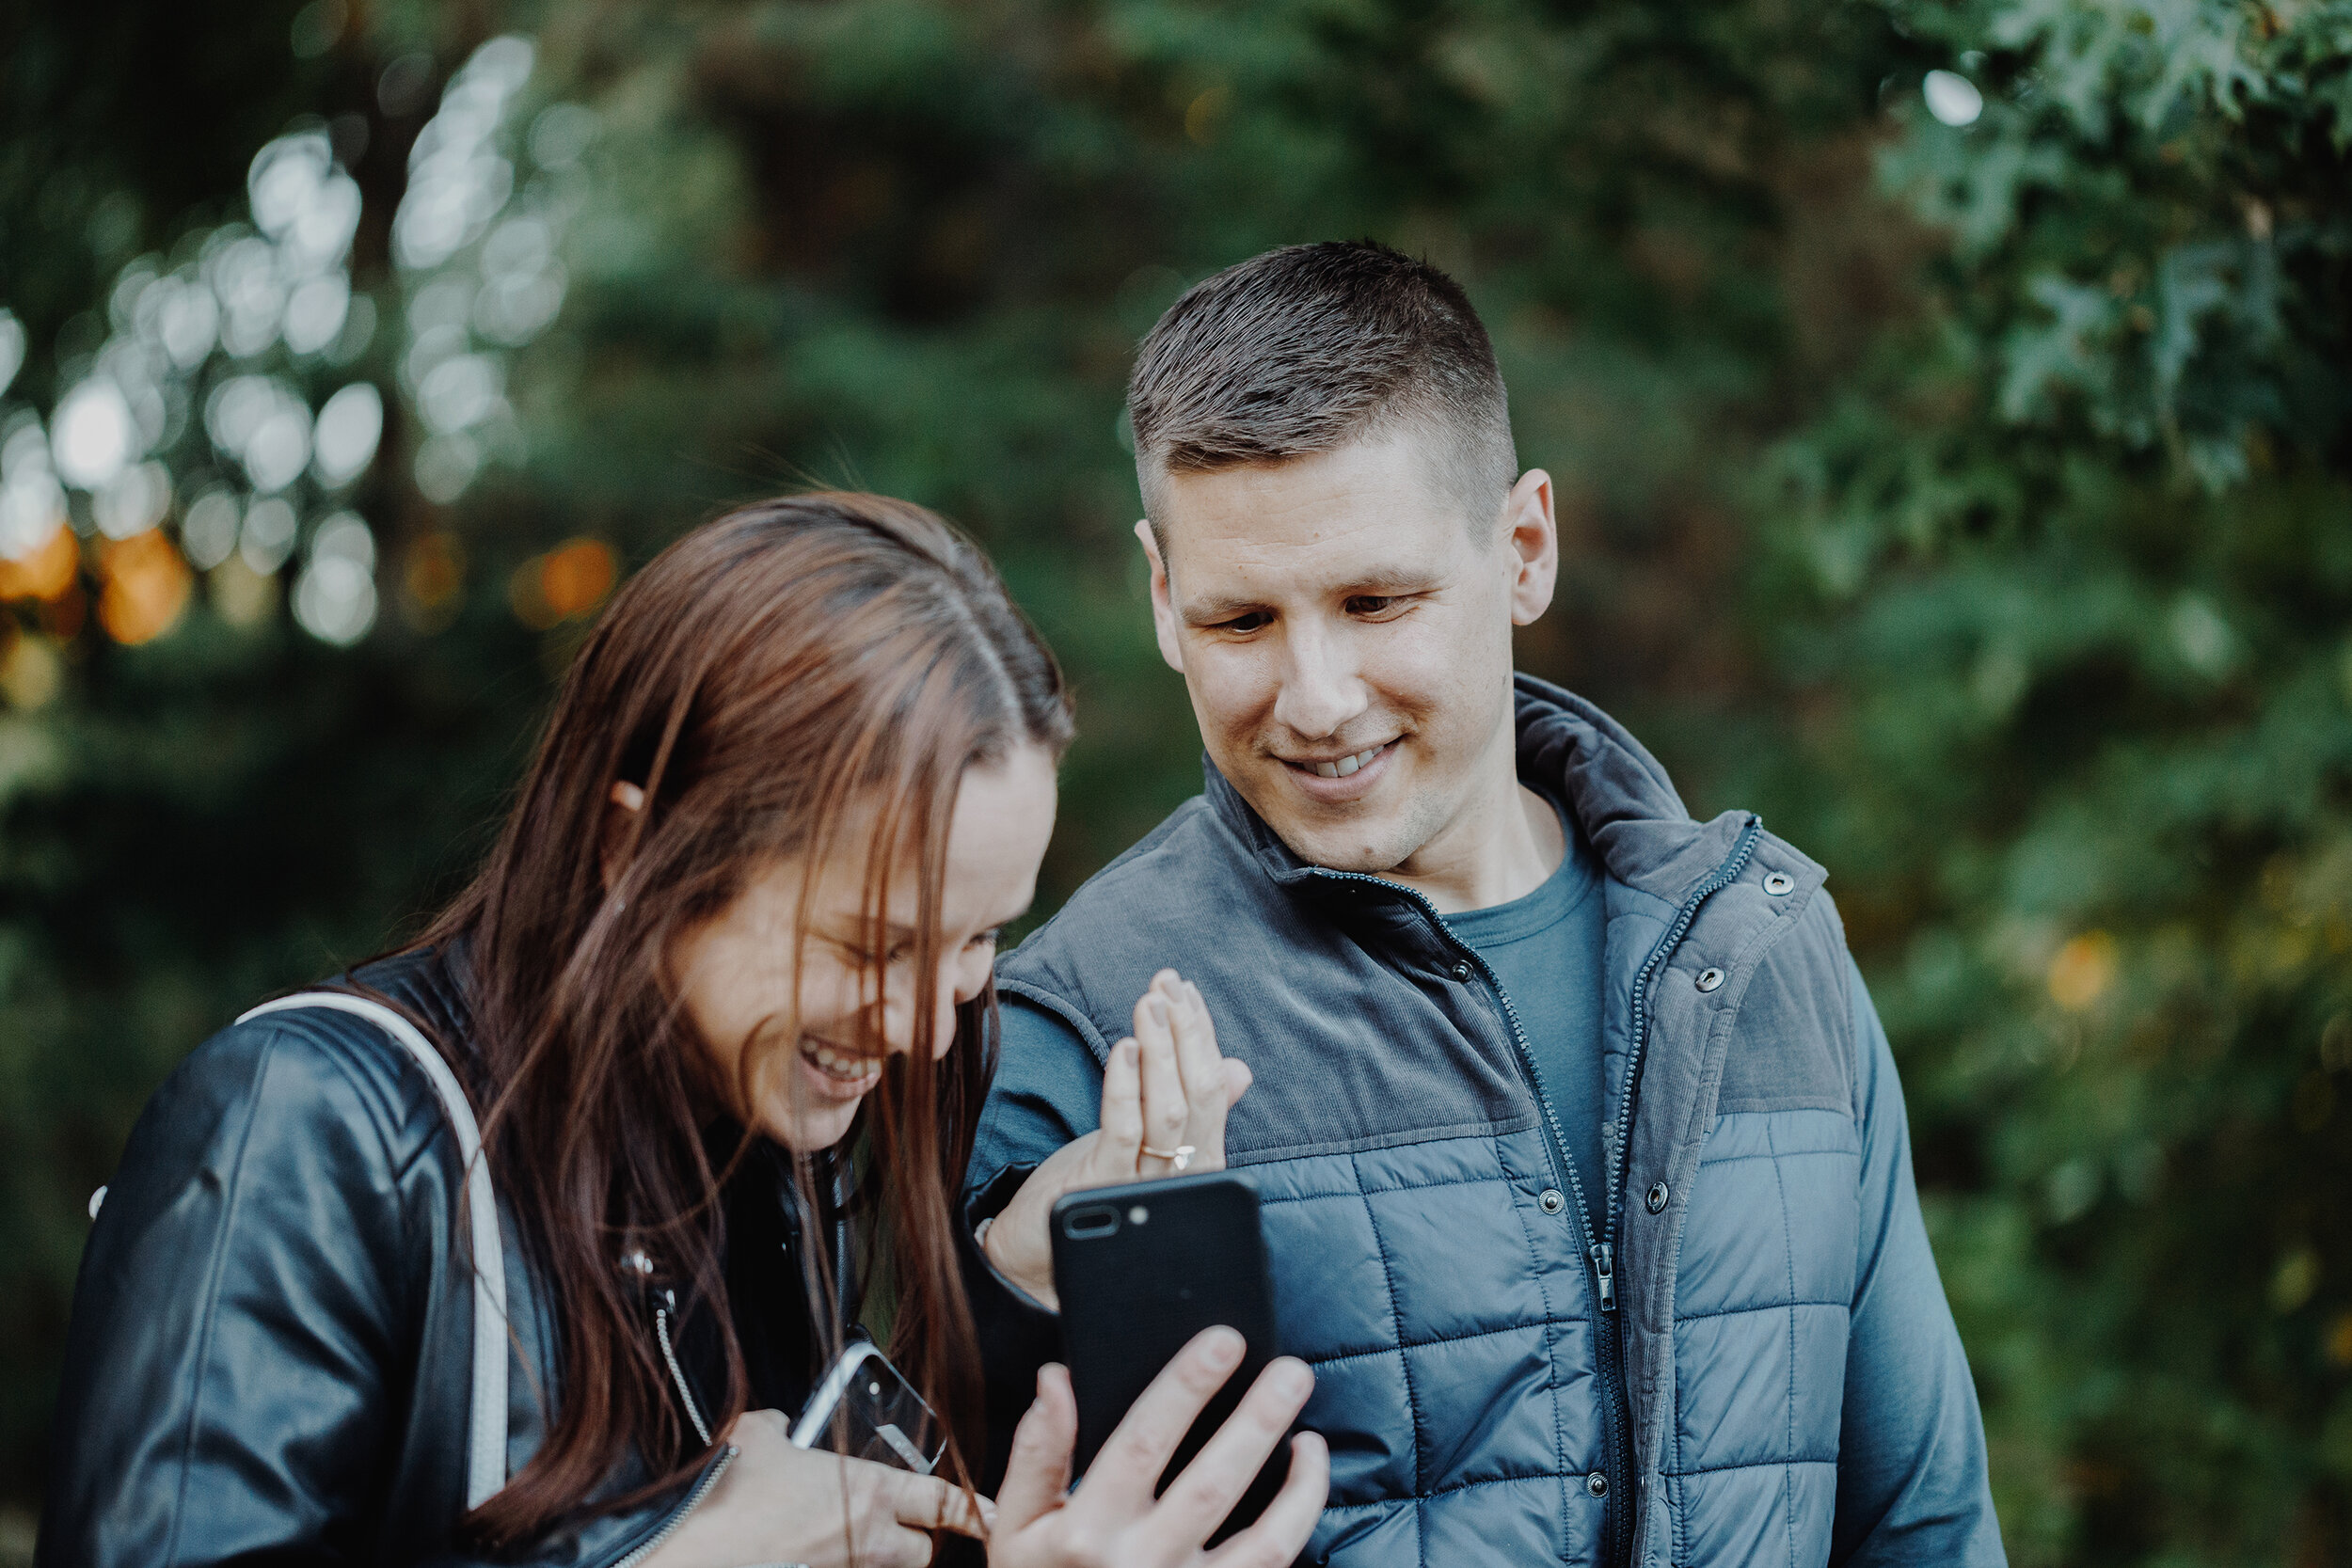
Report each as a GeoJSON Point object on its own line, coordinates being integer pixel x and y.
{"type": "Point", "coordinates": [2061, 581]}
{"type": "Point", "coordinates": [1965, 487]}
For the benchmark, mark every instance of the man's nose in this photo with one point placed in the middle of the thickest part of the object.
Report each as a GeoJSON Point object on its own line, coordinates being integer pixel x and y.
{"type": "Point", "coordinates": [1320, 690]}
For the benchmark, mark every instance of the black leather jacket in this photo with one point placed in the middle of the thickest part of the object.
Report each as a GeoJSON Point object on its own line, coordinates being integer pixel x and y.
{"type": "Point", "coordinates": [271, 1350]}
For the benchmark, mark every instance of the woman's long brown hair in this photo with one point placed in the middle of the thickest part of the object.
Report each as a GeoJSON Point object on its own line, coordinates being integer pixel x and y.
{"type": "Point", "coordinates": [802, 678]}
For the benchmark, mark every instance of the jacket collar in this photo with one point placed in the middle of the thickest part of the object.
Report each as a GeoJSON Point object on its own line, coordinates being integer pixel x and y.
{"type": "Point", "coordinates": [1572, 751]}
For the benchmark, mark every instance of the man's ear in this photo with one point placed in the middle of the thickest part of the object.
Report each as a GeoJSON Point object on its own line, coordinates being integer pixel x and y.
{"type": "Point", "coordinates": [623, 802]}
{"type": "Point", "coordinates": [1534, 539]}
{"type": "Point", "coordinates": [1163, 609]}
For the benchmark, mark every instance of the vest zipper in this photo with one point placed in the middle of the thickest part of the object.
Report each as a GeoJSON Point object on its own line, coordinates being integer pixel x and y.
{"type": "Point", "coordinates": [1619, 1153]}
{"type": "Point", "coordinates": [1616, 1460]}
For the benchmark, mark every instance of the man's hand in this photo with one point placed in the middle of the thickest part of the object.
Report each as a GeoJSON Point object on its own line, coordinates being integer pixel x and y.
{"type": "Point", "coordinates": [1112, 1521]}
{"type": "Point", "coordinates": [778, 1503]}
{"type": "Point", "coordinates": [1166, 1088]}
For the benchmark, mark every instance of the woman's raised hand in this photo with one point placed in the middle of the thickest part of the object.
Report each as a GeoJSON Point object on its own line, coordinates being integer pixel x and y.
{"type": "Point", "coordinates": [778, 1503]}
{"type": "Point", "coordinates": [1166, 1091]}
{"type": "Point", "coordinates": [1112, 1520]}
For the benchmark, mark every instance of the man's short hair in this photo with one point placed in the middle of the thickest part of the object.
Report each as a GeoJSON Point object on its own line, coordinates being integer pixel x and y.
{"type": "Point", "coordinates": [1312, 347]}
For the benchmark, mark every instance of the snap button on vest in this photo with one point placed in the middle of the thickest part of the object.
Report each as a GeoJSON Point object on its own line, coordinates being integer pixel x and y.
{"type": "Point", "coordinates": [1657, 1198]}
{"type": "Point", "coordinates": [1778, 883]}
{"type": "Point", "coordinates": [1552, 1200]}
{"type": "Point", "coordinates": [1597, 1484]}
{"type": "Point", "coordinates": [1461, 972]}
{"type": "Point", "coordinates": [1709, 978]}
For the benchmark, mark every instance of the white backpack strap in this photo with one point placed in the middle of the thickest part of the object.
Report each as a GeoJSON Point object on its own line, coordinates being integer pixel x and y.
{"type": "Point", "coordinates": [485, 1453]}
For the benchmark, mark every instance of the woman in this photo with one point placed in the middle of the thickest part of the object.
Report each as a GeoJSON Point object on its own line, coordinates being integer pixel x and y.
{"type": "Point", "coordinates": [720, 999]}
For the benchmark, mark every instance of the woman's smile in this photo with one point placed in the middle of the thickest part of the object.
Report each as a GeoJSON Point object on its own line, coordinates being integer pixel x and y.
{"type": "Point", "coordinates": [840, 1073]}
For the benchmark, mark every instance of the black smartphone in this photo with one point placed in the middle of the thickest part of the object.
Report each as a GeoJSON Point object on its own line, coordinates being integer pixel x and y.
{"type": "Point", "coordinates": [1140, 1270]}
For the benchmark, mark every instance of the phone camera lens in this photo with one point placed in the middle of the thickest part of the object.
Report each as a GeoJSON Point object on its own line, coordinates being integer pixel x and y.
{"type": "Point", "coordinates": [1137, 1214]}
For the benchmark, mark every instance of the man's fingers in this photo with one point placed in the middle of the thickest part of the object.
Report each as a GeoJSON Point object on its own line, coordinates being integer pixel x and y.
{"type": "Point", "coordinates": [1139, 1446]}
{"type": "Point", "coordinates": [932, 1502]}
{"type": "Point", "coordinates": [1038, 1472]}
{"type": "Point", "coordinates": [1223, 1468]}
{"type": "Point", "coordinates": [1280, 1534]}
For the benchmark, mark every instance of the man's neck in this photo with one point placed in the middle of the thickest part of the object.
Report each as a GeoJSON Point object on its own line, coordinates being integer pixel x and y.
{"type": "Point", "coordinates": [1501, 848]}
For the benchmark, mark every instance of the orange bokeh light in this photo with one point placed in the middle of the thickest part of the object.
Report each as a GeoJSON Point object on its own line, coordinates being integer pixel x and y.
{"type": "Point", "coordinates": [44, 574]}
{"type": "Point", "coordinates": [2082, 971]}
{"type": "Point", "coordinates": [435, 569]}
{"type": "Point", "coordinates": [575, 576]}
{"type": "Point", "coordinates": [147, 586]}
{"type": "Point", "coordinates": [571, 579]}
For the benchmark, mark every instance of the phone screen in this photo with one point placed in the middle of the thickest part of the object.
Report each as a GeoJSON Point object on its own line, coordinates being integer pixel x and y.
{"type": "Point", "coordinates": [865, 1409]}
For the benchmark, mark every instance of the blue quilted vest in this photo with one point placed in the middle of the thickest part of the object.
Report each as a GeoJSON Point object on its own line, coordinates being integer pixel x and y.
{"type": "Point", "coordinates": [1499, 1382]}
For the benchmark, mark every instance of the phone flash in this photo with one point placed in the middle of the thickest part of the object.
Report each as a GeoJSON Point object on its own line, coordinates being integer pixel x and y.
{"type": "Point", "coordinates": [1137, 1214]}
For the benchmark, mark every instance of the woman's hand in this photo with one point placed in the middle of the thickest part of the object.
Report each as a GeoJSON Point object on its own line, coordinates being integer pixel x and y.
{"type": "Point", "coordinates": [1164, 1094]}
{"type": "Point", "coordinates": [1111, 1520]}
{"type": "Point", "coordinates": [777, 1503]}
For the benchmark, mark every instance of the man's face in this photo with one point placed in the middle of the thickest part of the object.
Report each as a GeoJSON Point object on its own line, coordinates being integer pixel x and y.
{"type": "Point", "coordinates": [1344, 632]}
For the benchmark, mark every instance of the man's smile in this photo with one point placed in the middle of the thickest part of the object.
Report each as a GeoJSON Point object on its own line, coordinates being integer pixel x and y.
{"type": "Point", "coordinates": [1346, 777]}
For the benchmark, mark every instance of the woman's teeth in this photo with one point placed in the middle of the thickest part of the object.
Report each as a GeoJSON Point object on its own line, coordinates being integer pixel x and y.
{"type": "Point", "coordinates": [840, 1065]}
{"type": "Point", "coordinates": [1345, 765]}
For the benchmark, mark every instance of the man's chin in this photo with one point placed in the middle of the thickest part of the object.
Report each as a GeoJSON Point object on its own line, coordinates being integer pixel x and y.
{"type": "Point", "coordinates": [1357, 849]}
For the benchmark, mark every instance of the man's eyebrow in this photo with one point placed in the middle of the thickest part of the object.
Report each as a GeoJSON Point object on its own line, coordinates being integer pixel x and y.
{"type": "Point", "coordinates": [1219, 607]}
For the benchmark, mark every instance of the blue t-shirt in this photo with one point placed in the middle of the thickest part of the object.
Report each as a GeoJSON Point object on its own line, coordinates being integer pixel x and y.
{"type": "Point", "coordinates": [1545, 950]}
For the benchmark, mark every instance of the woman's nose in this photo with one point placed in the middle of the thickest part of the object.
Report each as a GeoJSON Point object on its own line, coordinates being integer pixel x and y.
{"type": "Point", "coordinates": [962, 977]}
{"type": "Point", "coordinates": [961, 980]}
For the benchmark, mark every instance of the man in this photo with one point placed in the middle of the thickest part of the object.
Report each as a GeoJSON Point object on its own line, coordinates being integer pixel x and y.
{"type": "Point", "coordinates": [1582, 1158]}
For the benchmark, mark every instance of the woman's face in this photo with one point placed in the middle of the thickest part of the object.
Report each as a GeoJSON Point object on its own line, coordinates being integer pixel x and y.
{"type": "Point", "coordinates": [735, 970]}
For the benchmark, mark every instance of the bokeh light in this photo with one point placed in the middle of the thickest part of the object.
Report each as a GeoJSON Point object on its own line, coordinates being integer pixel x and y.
{"type": "Point", "coordinates": [93, 436]}
{"type": "Point", "coordinates": [236, 336]}
{"type": "Point", "coordinates": [267, 537]}
{"type": "Point", "coordinates": [146, 587]}
{"type": "Point", "coordinates": [571, 579]}
{"type": "Point", "coordinates": [207, 531]}
{"type": "Point", "coordinates": [343, 442]}
{"type": "Point", "coordinates": [12, 348]}
{"type": "Point", "coordinates": [30, 670]}
{"type": "Point", "coordinates": [46, 572]}
{"type": "Point", "coordinates": [133, 501]}
{"type": "Point", "coordinates": [334, 598]}
{"type": "Point", "coordinates": [1952, 98]}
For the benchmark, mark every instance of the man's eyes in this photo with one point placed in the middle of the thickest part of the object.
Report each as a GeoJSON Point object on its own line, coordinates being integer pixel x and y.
{"type": "Point", "coordinates": [1375, 605]}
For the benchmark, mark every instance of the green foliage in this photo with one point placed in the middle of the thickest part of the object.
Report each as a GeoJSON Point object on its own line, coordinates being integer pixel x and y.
{"type": "Point", "coordinates": [2074, 549]}
{"type": "Point", "coordinates": [1972, 500]}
